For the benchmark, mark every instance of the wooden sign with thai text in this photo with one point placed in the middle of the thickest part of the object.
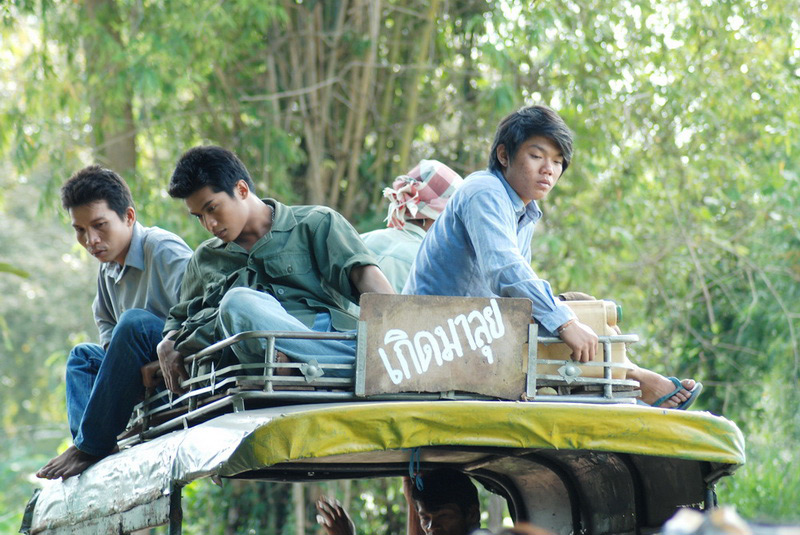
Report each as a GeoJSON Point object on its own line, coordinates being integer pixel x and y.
{"type": "Point", "coordinates": [439, 344]}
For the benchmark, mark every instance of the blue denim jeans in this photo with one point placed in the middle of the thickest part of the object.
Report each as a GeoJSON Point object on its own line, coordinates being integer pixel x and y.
{"type": "Point", "coordinates": [243, 309]}
{"type": "Point", "coordinates": [103, 386]}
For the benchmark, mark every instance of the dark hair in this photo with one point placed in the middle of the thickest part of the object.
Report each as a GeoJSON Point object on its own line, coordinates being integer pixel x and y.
{"type": "Point", "coordinates": [95, 183]}
{"type": "Point", "coordinates": [211, 166]}
{"type": "Point", "coordinates": [446, 486]}
{"type": "Point", "coordinates": [525, 123]}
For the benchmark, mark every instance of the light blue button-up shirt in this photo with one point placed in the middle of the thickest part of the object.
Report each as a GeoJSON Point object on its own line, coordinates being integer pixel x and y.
{"type": "Point", "coordinates": [480, 247]}
{"type": "Point", "coordinates": [150, 279]}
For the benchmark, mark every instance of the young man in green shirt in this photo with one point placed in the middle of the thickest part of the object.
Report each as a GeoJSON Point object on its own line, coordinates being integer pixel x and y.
{"type": "Point", "coordinates": [269, 267]}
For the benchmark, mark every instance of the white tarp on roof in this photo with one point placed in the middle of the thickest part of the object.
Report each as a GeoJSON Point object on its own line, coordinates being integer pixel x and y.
{"type": "Point", "coordinates": [129, 481]}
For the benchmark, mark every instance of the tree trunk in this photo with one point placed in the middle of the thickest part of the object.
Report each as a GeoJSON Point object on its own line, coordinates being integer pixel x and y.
{"type": "Point", "coordinates": [329, 130]}
{"type": "Point", "coordinates": [299, 509]}
{"type": "Point", "coordinates": [379, 167]}
{"type": "Point", "coordinates": [496, 506]}
{"type": "Point", "coordinates": [362, 97]}
{"type": "Point", "coordinates": [112, 121]}
{"type": "Point", "coordinates": [413, 88]}
{"type": "Point", "coordinates": [303, 74]}
{"type": "Point", "coordinates": [344, 147]}
{"type": "Point", "coordinates": [234, 513]}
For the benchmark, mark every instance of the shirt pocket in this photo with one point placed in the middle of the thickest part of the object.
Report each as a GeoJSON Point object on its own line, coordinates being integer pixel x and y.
{"type": "Point", "coordinates": [287, 267]}
{"type": "Point", "coordinates": [213, 289]}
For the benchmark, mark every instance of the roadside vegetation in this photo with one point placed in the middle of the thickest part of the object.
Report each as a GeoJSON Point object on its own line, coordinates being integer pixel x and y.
{"type": "Point", "coordinates": [681, 203]}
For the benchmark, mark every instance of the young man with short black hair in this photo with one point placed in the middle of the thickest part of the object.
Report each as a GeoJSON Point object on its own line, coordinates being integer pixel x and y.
{"type": "Point", "coordinates": [444, 503]}
{"type": "Point", "coordinates": [269, 267]}
{"type": "Point", "coordinates": [488, 224]}
{"type": "Point", "coordinates": [139, 280]}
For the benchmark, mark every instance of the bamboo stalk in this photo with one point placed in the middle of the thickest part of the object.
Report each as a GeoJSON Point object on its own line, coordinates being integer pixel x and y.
{"type": "Point", "coordinates": [326, 101]}
{"type": "Point", "coordinates": [314, 193]}
{"type": "Point", "coordinates": [367, 77]}
{"type": "Point", "coordinates": [113, 124]}
{"type": "Point", "coordinates": [378, 165]}
{"type": "Point", "coordinates": [311, 123]}
{"type": "Point", "coordinates": [272, 117]}
{"type": "Point", "coordinates": [299, 509]}
{"type": "Point", "coordinates": [413, 90]}
{"type": "Point", "coordinates": [341, 165]}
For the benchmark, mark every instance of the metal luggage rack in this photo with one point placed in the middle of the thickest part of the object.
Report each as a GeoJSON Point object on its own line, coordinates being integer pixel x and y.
{"type": "Point", "coordinates": [569, 383]}
{"type": "Point", "coordinates": [214, 388]}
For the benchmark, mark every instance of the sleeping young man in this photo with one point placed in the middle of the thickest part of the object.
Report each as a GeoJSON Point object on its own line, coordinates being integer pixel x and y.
{"type": "Point", "coordinates": [268, 267]}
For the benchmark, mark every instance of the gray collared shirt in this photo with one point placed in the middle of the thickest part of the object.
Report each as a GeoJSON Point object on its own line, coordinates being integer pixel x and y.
{"type": "Point", "coordinates": [150, 279]}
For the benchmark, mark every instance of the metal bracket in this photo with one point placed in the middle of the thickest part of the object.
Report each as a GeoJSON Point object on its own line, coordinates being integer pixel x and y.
{"type": "Point", "coordinates": [569, 372]}
{"type": "Point", "coordinates": [311, 371]}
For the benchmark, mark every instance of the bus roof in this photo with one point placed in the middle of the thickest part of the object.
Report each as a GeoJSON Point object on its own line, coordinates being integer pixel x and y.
{"type": "Point", "coordinates": [367, 439]}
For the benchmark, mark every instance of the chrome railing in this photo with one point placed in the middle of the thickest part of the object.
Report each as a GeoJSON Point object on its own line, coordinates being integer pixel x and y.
{"type": "Point", "coordinates": [216, 384]}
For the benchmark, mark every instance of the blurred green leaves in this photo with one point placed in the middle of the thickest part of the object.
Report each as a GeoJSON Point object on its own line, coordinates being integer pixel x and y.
{"type": "Point", "coordinates": [681, 202]}
{"type": "Point", "coordinates": [8, 268]}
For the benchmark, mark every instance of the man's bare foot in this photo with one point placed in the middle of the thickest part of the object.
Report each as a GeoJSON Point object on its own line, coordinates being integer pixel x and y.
{"type": "Point", "coordinates": [655, 386]}
{"type": "Point", "coordinates": [281, 358]}
{"type": "Point", "coordinates": [70, 463]}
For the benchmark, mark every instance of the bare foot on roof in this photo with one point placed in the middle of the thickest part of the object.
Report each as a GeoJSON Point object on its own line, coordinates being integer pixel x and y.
{"type": "Point", "coordinates": [283, 359]}
{"type": "Point", "coordinates": [655, 386]}
{"type": "Point", "coordinates": [70, 463]}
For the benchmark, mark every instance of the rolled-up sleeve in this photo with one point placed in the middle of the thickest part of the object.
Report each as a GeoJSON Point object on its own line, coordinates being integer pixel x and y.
{"type": "Point", "coordinates": [337, 250]}
{"type": "Point", "coordinates": [490, 227]}
{"type": "Point", "coordinates": [191, 287]}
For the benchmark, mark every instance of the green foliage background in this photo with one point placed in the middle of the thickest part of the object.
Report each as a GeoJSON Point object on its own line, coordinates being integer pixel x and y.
{"type": "Point", "coordinates": [681, 202]}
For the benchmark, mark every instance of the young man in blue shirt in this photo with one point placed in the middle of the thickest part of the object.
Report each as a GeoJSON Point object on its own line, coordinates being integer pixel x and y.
{"type": "Point", "coordinates": [488, 225]}
{"type": "Point", "coordinates": [138, 282]}
{"type": "Point", "coordinates": [415, 201]}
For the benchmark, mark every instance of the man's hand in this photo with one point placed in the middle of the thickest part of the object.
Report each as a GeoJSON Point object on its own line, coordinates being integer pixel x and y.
{"type": "Point", "coordinates": [413, 525]}
{"type": "Point", "coordinates": [171, 363]}
{"type": "Point", "coordinates": [407, 489]}
{"type": "Point", "coordinates": [581, 340]}
{"type": "Point", "coordinates": [151, 374]}
{"type": "Point", "coordinates": [334, 518]}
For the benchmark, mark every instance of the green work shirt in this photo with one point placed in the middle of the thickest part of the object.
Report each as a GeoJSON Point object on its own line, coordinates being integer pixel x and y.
{"type": "Point", "coordinates": [304, 261]}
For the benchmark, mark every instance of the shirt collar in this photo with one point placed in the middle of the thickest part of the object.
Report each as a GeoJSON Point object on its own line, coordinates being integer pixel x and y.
{"type": "Point", "coordinates": [133, 259]}
{"type": "Point", "coordinates": [282, 220]}
{"type": "Point", "coordinates": [135, 256]}
{"type": "Point", "coordinates": [413, 229]}
{"type": "Point", "coordinates": [216, 243]}
{"type": "Point", "coordinates": [525, 213]}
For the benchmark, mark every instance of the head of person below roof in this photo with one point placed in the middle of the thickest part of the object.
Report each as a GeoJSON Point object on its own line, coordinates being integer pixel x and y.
{"type": "Point", "coordinates": [421, 195]}
{"type": "Point", "coordinates": [447, 503]}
